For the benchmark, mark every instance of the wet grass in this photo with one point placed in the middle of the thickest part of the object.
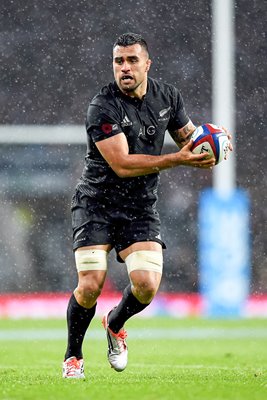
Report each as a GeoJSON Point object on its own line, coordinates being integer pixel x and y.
{"type": "Point", "coordinates": [229, 364]}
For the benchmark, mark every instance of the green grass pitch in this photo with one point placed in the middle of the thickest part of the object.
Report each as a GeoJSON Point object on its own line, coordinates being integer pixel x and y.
{"type": "Point", "coordinates": [169, 359]}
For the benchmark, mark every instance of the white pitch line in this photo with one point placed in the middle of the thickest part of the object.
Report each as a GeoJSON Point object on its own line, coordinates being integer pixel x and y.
{"type": "Point", "coordinates": [143, 334]}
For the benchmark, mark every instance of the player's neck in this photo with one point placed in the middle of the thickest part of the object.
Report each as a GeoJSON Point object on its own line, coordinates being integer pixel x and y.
{"type": "Point", "coordinates": [139, 92]}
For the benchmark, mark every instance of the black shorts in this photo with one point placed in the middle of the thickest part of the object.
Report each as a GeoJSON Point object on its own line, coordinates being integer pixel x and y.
{"type": "Point", "coordinates": [119, 226]}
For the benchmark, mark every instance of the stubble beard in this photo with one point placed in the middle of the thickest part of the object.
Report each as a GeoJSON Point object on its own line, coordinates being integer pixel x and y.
{"type": "Point", "coordinates": [130, 88]}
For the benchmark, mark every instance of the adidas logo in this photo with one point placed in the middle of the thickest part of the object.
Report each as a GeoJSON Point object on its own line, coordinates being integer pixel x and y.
{"type": "Point", "coordinates": [126, 121]}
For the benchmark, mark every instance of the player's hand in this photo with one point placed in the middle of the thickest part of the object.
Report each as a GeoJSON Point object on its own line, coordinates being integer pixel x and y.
{"type": "Point", "coordinates": [190, 159]}
{"type": "Point", "coordinates": [229, 137]}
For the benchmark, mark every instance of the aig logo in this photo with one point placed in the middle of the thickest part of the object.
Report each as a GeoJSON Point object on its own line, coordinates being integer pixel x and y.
{"type": "Point", "coordinates": [150, 130]}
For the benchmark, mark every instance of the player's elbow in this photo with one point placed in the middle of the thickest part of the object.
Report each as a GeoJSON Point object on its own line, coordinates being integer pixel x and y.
{"type": "Point", "coordinates": [122, 172]}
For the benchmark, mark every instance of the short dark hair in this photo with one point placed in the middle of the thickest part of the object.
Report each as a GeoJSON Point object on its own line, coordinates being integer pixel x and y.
{"type": "Point", "coordinates": [128, 39]}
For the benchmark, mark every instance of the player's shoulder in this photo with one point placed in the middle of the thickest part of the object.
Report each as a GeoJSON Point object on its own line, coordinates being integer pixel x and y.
{"type": "Point", "coordinates": [164, 88]}
{"type": "Point", "coordinates": [105, 102]}
{"type": "Point", "coordinates": [106, 95]}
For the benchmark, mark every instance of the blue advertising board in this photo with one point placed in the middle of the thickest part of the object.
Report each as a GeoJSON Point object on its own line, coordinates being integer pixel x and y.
{"type": "Point", "coordinates": [224, 252]}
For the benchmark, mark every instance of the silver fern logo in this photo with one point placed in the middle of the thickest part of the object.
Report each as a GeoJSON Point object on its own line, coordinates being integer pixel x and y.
{"type": "Point", "coordinates": [163, 114]}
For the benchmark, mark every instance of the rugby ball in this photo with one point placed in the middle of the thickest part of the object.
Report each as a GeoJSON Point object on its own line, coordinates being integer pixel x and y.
{"type": "Point", "coordinates": [211, 139]}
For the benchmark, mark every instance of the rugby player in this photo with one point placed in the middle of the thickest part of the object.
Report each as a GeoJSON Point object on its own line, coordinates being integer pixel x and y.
{"type": "Point", "coordinates": [114, 204]}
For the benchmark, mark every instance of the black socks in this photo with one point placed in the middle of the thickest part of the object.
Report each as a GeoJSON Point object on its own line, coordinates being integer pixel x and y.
{"type": "Point", "coordinates": [78, 320]}
{"type": "Point", "coordinates": [128, 306]}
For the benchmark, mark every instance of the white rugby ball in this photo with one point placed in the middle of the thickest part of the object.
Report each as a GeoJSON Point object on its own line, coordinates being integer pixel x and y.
{"type": "Point", "coordinates": [211, 139]}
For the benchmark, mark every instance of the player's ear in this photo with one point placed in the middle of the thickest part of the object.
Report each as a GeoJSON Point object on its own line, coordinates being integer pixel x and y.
{"type": "Point", "coordinates": [148, 64]}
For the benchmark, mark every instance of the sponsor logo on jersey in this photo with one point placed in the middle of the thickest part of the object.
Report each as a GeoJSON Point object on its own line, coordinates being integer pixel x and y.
{"type": "Point", "coordinates": [163, 114]}
{"type": "Point", "coordinates": [150, 130]}
{"type": "Point", "coordinates": [126, 121]}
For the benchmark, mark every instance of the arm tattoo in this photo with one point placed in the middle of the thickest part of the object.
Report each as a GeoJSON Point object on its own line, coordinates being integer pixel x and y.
{"type": "Point", "coordinates": [183, 135]}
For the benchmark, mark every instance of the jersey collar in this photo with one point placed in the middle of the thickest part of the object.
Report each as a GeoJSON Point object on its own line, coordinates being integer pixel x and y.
{"type": "Point", "coordinates": [132, 100]}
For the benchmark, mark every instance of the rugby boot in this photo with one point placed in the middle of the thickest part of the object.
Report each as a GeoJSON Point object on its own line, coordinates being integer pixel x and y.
{"type": "Point", "coordinates": [117, 348]}
{"type": "Point", "coordinates": [73, 368]}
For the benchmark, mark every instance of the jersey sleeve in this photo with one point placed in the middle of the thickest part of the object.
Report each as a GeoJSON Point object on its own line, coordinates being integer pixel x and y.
{"type": "Point", "coordinates": [179, 117]}
{"type": "Point", "coordinates": [102, 122]}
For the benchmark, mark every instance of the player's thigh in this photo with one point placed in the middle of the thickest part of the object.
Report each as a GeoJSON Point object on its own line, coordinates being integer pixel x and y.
{"type": "Point", "coordinates": [144, 261]}
{"type": "Point", "coordinates": [137, 246]}
{"type": "Point", "coordinates": [91, 264]}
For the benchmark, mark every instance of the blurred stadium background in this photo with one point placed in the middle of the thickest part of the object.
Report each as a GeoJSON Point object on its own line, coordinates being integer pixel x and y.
{"type": "Point", "coordinates": [55, 55]}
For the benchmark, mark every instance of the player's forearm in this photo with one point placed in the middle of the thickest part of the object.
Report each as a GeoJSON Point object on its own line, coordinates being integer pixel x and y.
{"type": "Point", "coordinates": [183, 135]}
{"type": "Point", "coordinates": [116, 152]}
{"type": "Point", "coordinates": [141, 164]}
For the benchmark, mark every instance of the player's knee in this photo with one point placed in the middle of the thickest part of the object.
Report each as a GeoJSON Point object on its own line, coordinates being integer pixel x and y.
{"type": "Point", "coordinates": [145, 290]}
{"type": "Point", "coordinates": [92, 266]}
{"type": "Point", "coordinates": [145, 270]}
{"type": "Point", "coordinates": [87, 292]}
{"type": "Point", "coordinates": [89, 289]}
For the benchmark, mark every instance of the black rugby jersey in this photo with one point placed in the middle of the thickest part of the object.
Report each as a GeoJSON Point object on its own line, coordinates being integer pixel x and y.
{"type": "Point", "coordinates": [144, 123]}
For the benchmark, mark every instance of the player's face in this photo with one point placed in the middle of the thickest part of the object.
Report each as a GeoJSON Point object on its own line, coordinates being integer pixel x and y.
{"type": "Point", "coordinates": [130, 66]}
